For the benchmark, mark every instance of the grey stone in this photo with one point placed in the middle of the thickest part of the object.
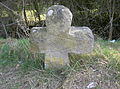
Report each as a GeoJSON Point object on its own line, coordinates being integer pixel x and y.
{"type": "Point", "coordinates": [59, 38]}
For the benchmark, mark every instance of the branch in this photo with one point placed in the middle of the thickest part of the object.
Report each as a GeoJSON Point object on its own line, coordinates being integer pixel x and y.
{"type": "Point", "coordinates": [5, 30]}
{"type": "Point", "coordinates": [9, 9]}
{"type": "Point", "coordinates": [18, 22]}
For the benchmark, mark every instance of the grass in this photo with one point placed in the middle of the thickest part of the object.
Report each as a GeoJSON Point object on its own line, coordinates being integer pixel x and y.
{"type": "Point", "coordinates": [17, 51]}
{"type": "Point", "coordinates": [16, 54]}
{"type": "Point", "coordinates": [104, 50]}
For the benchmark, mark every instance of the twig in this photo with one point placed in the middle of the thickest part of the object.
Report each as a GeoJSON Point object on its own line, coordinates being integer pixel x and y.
{"type": "Point", "coordinates": [5, 30]}
{"type": "Point", "coordinates": [9, 9]}
{"type": "Point", "coordinates": [22, 27]}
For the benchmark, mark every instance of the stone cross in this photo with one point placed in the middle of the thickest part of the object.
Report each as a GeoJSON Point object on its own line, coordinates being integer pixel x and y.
{"type": "Point", "coordinates": [59, 38]}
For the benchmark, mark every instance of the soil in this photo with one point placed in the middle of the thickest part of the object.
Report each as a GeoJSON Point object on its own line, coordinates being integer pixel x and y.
{"type": "Point", "coordinates": [104, 77]}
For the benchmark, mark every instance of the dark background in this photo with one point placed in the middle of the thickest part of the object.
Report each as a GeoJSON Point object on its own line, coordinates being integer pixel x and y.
{"type": "Point", "coordinates": [101, 16]}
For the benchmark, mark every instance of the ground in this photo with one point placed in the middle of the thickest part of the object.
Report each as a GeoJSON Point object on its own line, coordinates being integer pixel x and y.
{"type": "Point", "coordinates": [13, 78]}
{"type": "Point", "coordinates": [101, 67]}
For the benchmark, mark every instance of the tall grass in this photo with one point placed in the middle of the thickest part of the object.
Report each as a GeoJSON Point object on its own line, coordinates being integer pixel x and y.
{"type": "Point", "coordinates": [16, 52]}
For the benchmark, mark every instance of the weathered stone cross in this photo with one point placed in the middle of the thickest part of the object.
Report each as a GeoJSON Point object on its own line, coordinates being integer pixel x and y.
{"type": "Point", "coordinates": [59, 38]}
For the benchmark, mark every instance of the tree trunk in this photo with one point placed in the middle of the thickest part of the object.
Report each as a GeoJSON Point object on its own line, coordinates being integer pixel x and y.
{"type": "Point", "coordinates": [111, 16]}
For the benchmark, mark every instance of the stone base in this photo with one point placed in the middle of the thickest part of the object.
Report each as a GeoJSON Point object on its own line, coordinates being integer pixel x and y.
{"type": "Point", "coordinates": [58, 61]}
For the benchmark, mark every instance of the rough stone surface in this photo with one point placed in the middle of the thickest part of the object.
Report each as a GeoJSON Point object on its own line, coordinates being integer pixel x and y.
{"type": "Point", "coordinates": [59, 38]}
{"type": "Point", "coordinates": [38, 39]}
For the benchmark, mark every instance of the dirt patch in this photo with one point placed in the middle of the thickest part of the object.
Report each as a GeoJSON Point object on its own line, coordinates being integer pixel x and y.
{"type": "Point", "coordinates": [10, 78]}
{"type": "Point", "coordinates": [99, 78]}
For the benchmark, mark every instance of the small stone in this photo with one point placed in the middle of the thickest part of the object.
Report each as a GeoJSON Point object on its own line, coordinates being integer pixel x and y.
{"type": "Point", "coordinates": [92, 85]}
{"type": "Point", "coordinates": [34, 30]}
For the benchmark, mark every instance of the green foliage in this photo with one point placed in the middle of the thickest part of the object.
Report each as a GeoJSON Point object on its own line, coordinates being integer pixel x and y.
{"type": "Point", "coordinates": [4, 14]}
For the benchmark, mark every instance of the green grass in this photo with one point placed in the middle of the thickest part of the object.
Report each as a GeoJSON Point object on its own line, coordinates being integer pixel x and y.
{"type": "Point", "coordinates": [21, 55]}
{"type": "Point", "coordinates": [18, 55]}
{"type": "Point", "coordinates": [111, 52]}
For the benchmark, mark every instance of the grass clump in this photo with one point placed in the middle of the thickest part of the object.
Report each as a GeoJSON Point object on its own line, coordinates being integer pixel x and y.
{"type": "Point", "coordinates": [15, 52]}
